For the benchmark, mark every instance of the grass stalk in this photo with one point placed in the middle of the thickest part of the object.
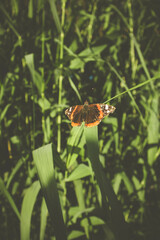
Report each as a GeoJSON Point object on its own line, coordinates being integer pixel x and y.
{"type": "Point", "coordinates": [59, 120]}
{"type": "Point", "coordinates": [132, 51]}
{"type": "Point", "coordinates": [42, 73]}
{"type": "Point", "coordinates": [129, 93]}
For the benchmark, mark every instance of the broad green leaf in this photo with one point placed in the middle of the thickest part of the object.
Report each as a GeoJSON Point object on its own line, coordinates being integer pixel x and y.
{"type": "Point", "coordinates": [74, 144]}
{"type": "Point", "coordinates": [107, 192]}
{"type": "Point", "coordinates": [43, 159]}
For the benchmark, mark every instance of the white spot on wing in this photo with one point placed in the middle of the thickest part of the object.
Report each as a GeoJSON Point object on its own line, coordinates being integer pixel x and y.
{"type": "Point", "coordinates": [106, 107]}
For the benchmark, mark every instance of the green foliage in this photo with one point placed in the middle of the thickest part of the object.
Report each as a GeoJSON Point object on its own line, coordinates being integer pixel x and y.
{"type": "Point", "coordinates": [104, 181]}
{"type": "Point", "coordinates": [46, 173]}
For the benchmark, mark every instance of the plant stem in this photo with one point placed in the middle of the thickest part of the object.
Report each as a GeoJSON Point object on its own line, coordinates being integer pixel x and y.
{"type": "Point", "coordinates": [59, 120]}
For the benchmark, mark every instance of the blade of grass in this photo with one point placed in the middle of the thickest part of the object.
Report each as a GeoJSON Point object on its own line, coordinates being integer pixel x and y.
{"type": "Point", "coordinates": [153, 129]}
{"type": "Point", "coordinates": [121, 15]}
{"type": "Point", "coordinates": [30, 9]}
{"type": "Point", "coordinates": [107, 192]}
{"type": "Point", "coordinates": [75, 89]}
{"type": "Point", "coordinates": [134, 39]}
{"type": "Point", "coordinates": [43, 159]}
{"type": "Point", "coordinates": [132, 49]}
{"type": "Point", "coordinates": [10, 23]}
{"type": "Point", "coordinates": [142, 59]}
{"type": "Point", "coordinates": [74, 144]}
{"type": "Point", "coordinates": [133, 88]}
{"type": "Point", "coordinates": [55, 15]}
{"type": "Point", "coordinates": [60, 57]}
{"type": "Point", "coordinates": [79, 172]}
{"type": "Point", "coordinates": [36, 77]}
{"type": "Point", "coordinates": [44, 214]}
{"type": "Point", "coordinates": [129, 93]}
{"type": "Point", "coordinates": [15, 170]}
{"type": "Point", "coordinates": [27, 210]}
{"type": "Point", "coordinates": [8, 197]}
{"type": "Point", "coordinates": [81, 202]}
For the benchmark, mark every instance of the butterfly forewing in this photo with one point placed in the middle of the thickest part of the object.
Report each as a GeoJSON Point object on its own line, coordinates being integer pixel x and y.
{"type": "Point", "coordinates": [107, 109]}
{"type": "Point", "coordinates": [92, 116]}
{"type": "Point", "coordinates": [74, 114]}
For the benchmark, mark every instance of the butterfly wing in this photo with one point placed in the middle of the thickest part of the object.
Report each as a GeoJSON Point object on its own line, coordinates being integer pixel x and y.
{"type": "Point", "coordinates": [93, 116]}
{"type": "Point", "coordinates": [96, 112]}
{"type": "Point", "coordinates": [75, 115]}
{"type": "Point", "coordinates": [106, 109]}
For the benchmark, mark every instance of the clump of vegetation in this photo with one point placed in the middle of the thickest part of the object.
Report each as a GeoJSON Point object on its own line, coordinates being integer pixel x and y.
{"type": "Point", "coordinates": [79, 183]}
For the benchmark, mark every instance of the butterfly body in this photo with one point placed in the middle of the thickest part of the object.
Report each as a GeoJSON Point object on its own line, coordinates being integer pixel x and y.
{"type": "Point", "coordinates": [91, 114]}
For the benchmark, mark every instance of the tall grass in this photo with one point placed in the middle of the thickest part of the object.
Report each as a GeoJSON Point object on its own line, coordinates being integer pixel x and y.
{"type": "Point", "coordinates": [98, 183]}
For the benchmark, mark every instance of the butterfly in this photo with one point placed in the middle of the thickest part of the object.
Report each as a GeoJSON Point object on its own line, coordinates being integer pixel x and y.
{"type": "Point", "coordinates": [91, 114]}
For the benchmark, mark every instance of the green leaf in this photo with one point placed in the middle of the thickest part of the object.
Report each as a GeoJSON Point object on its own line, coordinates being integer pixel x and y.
{"type": "Point", "coordinates": [43, 160]}
{"type": "Point", "coordinates": [75, 89]}
{"type": "Point", "coordinates": [116, 182]}
{"type": "Point", "coordinates": [75, 234]}
{"type": "Point", "coordinates": [55, 15]}
{"type": "Point", "coordinates": [127, 183]}
{"type": "Point", "coordinates": [36, 77]}
{"type": "Point", "coordinates": [6, 194]}
{"type": "Point", "coordinates": [107, 192]}
{"type": "Point", "coordinates": [27, 209]}
{"type": "Point", "coordinates": [153, 129]}
{"type": "Point", "coordinates": [3, 113]}
{"type": "Point", "coordinates": [95, 221]}
{"type": "Point", "coordinates": [80, 172]}
{"type": "Point", "coordinates": [74, 144]}
{"type": "Point", "coordinates": [44, 215]}
{"type": "Point", "coordinates": [30, 9]}
{"type": "Point", "coordinates": [44, 104]}
{"type": "Point", "coordinates": [87, 55]}
{"type": "Point", "coordinates": [138, 186]}
{"type": "Point", "coordinates": [18, 165]}
{"type": "Point", "coordinates": [92, 51]}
